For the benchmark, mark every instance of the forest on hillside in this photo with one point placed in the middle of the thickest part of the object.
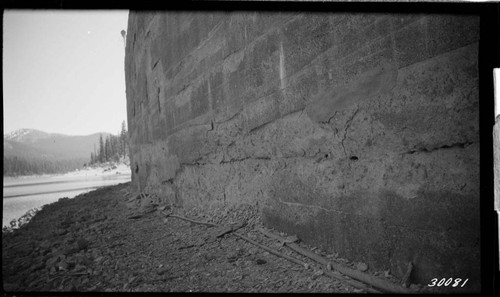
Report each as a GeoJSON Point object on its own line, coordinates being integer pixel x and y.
{"type": "Point", "coordinates": [111, 148]}
{"type": "Point", "coordinates": [17, 165]}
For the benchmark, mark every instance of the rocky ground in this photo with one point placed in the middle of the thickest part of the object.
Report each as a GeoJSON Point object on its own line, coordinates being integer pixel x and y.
{"type": "Point", "coordinates": [101, 241]}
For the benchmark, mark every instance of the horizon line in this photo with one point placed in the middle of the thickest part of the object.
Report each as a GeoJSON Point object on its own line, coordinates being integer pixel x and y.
{"type": "Point", "coordinates": [65, 134]}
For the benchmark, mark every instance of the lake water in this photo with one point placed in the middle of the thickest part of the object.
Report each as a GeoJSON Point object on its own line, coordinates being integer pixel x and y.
{"type": "Point", "coordinates": [23, 194]}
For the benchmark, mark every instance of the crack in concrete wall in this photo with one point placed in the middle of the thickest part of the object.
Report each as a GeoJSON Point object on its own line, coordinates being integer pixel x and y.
{"type": "Point", "coordinates": [446, 146]}
{"type": "Point", "coordinates": [346, 127]}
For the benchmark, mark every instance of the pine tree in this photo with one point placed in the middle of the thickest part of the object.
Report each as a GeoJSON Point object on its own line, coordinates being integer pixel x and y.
{"type": "Point", "coordinates": [115, 145]}
{"type": "Point", "coordinates": [101, 149]}
{"type": "Point", "coordinates": [106, 149]}
{"type": "Point", "coordinates": [111, 148]}
{"type": "Point", "coordinates": [123, 140]}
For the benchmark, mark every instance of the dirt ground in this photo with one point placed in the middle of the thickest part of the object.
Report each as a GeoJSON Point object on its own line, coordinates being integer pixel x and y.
{"type": "Point", "coordinates": [99, 242]}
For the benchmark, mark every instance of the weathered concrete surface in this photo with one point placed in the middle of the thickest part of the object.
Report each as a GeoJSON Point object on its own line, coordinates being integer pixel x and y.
{"type": "Point", "coordinates": [496, 165]}
{"type": "Point", "coordinates": [357, 132]}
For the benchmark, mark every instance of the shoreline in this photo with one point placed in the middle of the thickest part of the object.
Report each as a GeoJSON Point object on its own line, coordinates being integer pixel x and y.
{"type": "Point", "coordinates": [103, 169]}
{"type": "Point", "coordinates": [25, 193]}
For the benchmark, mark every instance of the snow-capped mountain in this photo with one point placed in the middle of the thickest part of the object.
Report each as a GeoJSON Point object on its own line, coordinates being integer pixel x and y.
{"type": "Point", "coordinates": [36, 143]}
{"type": "Point", "coordinates": [29, 135]}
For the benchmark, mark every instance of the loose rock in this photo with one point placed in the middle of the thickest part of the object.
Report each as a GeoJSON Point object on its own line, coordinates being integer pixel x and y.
{"type": "Point", "coordinates": [362, 266]}
{"type": "Point", "coordinates": [128, 254]}
{"type": "Point", "coordinates": [260, 261]}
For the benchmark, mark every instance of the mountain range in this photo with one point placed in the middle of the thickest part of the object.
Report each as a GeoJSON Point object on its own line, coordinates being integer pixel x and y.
{"type": "Point", "coordinates": [32, 143]}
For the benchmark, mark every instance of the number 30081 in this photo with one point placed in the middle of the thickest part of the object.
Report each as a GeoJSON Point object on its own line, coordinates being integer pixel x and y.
{"type": "Point", "coordinates": [447, 282]}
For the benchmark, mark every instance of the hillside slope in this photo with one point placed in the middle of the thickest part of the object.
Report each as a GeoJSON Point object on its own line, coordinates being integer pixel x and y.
{"type": "Point", "coordinates": [30, 151]}
{"type": "Point", "coordinates": [35, 143]}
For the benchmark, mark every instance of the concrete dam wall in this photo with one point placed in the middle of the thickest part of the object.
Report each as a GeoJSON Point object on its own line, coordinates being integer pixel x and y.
{"type": "Point", "coordinates": [357, 132]}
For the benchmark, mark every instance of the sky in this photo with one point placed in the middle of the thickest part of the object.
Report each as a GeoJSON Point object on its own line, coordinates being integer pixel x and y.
{"type": "Point", "coordinates": [63, 71]}
{"type": "Point", "coordinates": [496, 79]}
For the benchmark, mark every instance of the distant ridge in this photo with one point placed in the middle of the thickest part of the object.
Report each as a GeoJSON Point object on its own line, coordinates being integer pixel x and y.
{"type": "Point", "coordinates": [35, 143]}
{"type": "Point", "coordinates": [32, 135]}
{"type": "Point", "coordinates": [26, 135]}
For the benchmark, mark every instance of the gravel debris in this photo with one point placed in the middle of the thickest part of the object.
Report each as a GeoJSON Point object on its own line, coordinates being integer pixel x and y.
{"type": "Point", "coordinates": [97, 242]}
